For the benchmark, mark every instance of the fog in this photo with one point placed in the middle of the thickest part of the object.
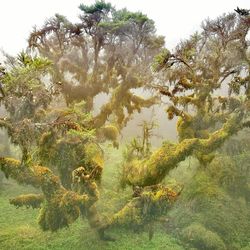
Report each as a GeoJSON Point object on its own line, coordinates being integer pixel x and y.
{"type": "Point", "coordinates": [125, 125]}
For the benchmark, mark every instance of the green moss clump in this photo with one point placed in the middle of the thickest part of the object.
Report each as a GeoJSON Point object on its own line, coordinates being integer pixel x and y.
{"type": "Point", "coordinates": [198, 236]}
{"type": "Point", "coordinates": [60, 207]}
{"type": "Point", "coordinates": [28, 200]}
{"type": "Point", "coordinates": [148, 204]}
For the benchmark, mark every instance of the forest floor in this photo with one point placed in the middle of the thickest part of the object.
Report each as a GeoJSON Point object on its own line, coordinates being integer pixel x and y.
{"type": "Point", "coordinates": [19, 228]}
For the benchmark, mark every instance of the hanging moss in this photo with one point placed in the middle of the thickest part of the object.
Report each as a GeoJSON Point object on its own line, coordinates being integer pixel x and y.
{"type": "Point", "coordinates": [123, 99]}
{"type": "Point", "coordinates": [111, 132]}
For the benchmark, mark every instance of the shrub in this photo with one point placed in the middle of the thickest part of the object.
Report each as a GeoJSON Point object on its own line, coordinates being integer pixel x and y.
{"type": "Point", "coordinates": [198, 236]}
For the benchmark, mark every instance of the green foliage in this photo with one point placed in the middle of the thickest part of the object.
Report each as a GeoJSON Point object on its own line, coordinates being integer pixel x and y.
{"type": "Point", "coordinates": [98, 6]}
{"type": "Point", "coordinates": [26, 96]}
{"type": "Point", "coordinates": [202, 187]}
{"type": "Point", "coordinates": [161, 59]}
{"type": "Point", "coordinates": [37, 63]}
{"type": "Point", "coordinates": [201, 238]}
{"type": "Point", "coordinates": [232, 173]}
{"type": "Point", "coordinates": [207, 201]}
{"type": "Point", "coordinates": [125, 16]}
{"type": "Point", "coordinates": [26, 75]}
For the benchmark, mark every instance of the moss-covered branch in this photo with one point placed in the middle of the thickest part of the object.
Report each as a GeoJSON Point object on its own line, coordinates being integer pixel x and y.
{"type": "Point", "coordinates": [7, 125]}
{"type": "Point", "coordinates": [122, 98]}
{"type": "Point", "coordinates": [60, 207]}
{"type": "Point", "coordinates": [28, 200]}
{"type": "Point", "coordinates": [145, 207]}
{"type": "Point", "coordinates": [154, 169]}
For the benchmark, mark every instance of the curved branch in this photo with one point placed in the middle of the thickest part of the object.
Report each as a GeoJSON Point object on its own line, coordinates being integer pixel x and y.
{"type": "Point", "coordinates": [153, 170]}
{"type": "Point", "coordinates": [60, 207]}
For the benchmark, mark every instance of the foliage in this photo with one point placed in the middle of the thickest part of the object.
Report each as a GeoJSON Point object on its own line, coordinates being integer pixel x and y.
{"type": "Point", "coordinates": [200, 68]}
{"type": "Point", "coordinates": [232, 173]}
{"type": "Point", "coordinates": [219, 206]}
{"type": "Point", "coordinates": [108, 51]}
{"type": "Point", "coordinates": [26, 98]}
{"type": "Point", "coordinates": [24, 232]}
{"type": "Point", "coordinates": [202, 238]}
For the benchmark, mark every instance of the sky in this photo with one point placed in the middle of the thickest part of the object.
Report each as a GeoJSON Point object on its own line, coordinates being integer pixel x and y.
{"type": "Point", "coordinates": [175, 19]}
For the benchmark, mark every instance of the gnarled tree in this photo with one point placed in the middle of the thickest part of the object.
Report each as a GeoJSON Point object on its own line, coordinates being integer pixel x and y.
{"type": "Point", "coordinates": [207, 86]}
{"type": "Point", "coordinates": [109, 51]}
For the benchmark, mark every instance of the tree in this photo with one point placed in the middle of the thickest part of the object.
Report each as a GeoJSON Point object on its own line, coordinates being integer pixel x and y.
{"type": "Point", "coordinates": [109, 51]}
{"type": "Point", "coordinates": [200, 66]}
{"type": "Point", "coordinates": [45, 134]}
{"type": "Point", "coordinates": [196, 74]}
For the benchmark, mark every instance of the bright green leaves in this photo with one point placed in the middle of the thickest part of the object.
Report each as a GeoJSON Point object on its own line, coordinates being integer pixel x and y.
{"type": "Point", "coordinates": [161, 60]}
{"type": "Point", "coordinates": [26, 75]}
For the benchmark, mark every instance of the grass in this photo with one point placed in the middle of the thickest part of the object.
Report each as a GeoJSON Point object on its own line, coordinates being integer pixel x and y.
{"type": "Point", "coordinates": [19, 228]}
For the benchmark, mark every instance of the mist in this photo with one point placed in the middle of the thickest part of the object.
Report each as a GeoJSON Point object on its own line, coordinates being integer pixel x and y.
{"type": "Point", "coordinates": [125, 126]}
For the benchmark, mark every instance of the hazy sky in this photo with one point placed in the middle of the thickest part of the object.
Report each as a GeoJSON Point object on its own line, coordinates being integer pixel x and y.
{"type": "Point", "coordinates": [175, 19]}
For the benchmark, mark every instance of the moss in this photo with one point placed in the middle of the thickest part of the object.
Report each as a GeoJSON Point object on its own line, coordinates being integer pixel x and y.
{"type": "Point", "coordinates": [198, 236]}
{"type": "Point", "coordinates": [68, 151]}
{"type": "Point", "coordinates": [60, 207]}
{"type": "Point", "coordinates": [148, 204]}
{"type": "Point", "coordinates": [110, 132]}
{"type": "Point", "coordinates": [122, 98]}
{"type": "Point", "coordinates": [153, 170]}
{"type": "Point", "coordinates": [28, 200]}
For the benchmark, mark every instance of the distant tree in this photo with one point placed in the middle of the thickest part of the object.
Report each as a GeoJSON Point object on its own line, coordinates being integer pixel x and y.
{"type": "Point", "coordinates": [108, 51]}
